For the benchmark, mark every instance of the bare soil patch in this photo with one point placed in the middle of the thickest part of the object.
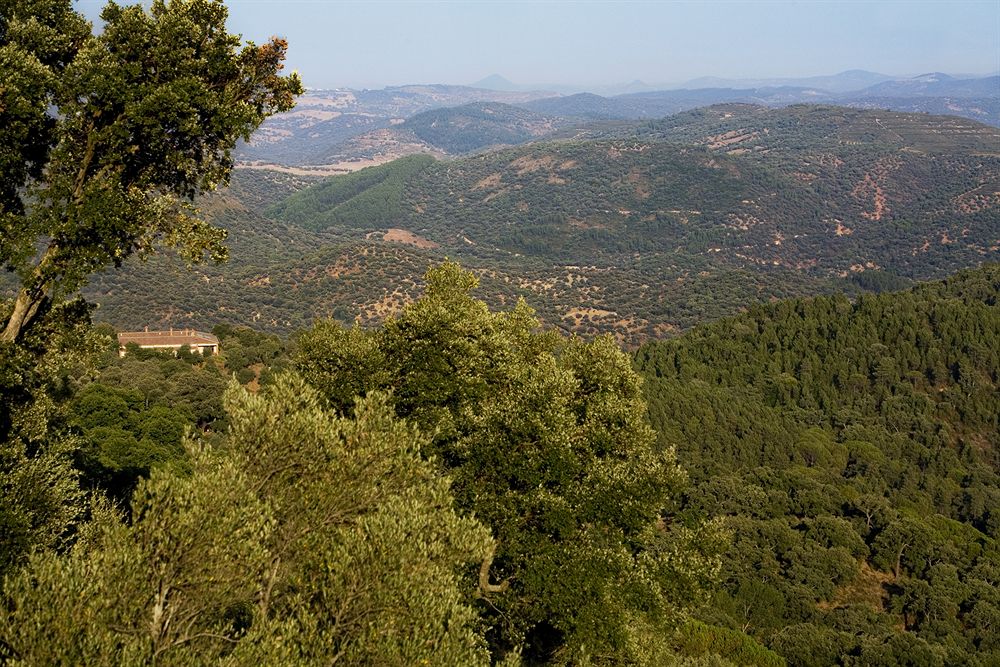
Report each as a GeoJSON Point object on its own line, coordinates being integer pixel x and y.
{"type": "Point", "coordinates": [409, 238]}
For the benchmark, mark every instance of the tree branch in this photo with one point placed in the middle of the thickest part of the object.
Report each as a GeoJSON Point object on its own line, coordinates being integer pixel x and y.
{"type": "Point", "coordinates": [484, 575]}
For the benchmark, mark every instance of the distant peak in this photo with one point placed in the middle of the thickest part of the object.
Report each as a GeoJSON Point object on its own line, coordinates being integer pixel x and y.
{"type": "Point", "coordinates": [855, 72]}
{"type": "Point", "coordinates": [495, 82]}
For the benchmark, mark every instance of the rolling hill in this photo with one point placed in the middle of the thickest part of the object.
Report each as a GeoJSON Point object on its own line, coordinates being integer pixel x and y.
{"type": "Point", "coordinates": [935, 84]}
{"type": "Point", "coordinates": [322, 130]}
{"type": "Point", "coordinates": [638, 229]}
{"type": "Point", "coordinates": [820, 186]}
{"type": "Point", "coordinates": [479, 125]}
{"type": "Point", "coordinates": [338, 131]}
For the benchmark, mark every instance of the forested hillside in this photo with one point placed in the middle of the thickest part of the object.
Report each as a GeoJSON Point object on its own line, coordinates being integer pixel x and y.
{"type": "Point", "coordinates": [472, 127]}
{"type": "Point", "coordinates": [818, 188]}
{"type": "Point", "coordinates": [380, 503]}
{"type": "Point", "coordinates": [853, 449]}
{"type": "Point", "coordinates": [837, 505]}
{"type": "Point", "coordinates": [634, 229]}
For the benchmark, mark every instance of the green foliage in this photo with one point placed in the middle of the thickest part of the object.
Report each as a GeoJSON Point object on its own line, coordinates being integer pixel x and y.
{"type": "Point", "coordinates": [546, 443]}
{"type": "Point", "coordinates": [372, 197]}
{"type": "Point", "coordinates": [695, 639]}
{"type": "Point", "coordinates": [853, 450]}
{"type": "Point", "coordinates": [40, 498]}
{"type": "Point", "coordinates": [305, 536]}
{"type": "Point", "coordinates": [123, 438]}
{"type": "Point", "coordinates": [116, 132]}
{"type": "Point", "coordinates": [104, 140]}
{"type": "Point", "coordinates": [811, 645]}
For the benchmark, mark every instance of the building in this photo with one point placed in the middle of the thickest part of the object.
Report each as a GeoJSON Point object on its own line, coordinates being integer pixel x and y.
{"type": "Point", "coordinates": [174, 339]}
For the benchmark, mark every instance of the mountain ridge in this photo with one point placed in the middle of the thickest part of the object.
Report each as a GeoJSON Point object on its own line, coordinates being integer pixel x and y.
{"type": "Point", "coordinates": [343, 130]}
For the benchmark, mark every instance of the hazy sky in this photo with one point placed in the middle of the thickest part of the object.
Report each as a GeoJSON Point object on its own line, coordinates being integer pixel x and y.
{"type": "Point", "coordinates": [374, 44]}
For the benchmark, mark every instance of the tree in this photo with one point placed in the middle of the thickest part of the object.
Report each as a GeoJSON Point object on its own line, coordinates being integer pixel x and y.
{"type": "Point", "coordinates": [547, 444]}
{"type": "Point", "coordinates": [39, 495]}
{"type": "Point", "coordinates": [105, 139]}
{"type": "Point", "coordinates": [308, 538]}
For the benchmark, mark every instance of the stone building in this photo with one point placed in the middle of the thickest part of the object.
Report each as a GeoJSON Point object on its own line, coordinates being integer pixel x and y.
{"type": "Point", "coordinates": [174, 339]}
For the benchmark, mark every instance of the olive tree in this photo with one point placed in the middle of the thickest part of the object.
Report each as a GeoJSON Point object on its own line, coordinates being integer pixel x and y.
{"type": "Point", "coordinates": [306, 538]}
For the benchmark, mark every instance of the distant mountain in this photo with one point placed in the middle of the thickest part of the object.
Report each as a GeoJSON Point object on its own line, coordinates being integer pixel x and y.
{"type": "Point", "coordinates": [499, 83]}
{"type": "Point", "coordinates": [660, 103]}
{"type": "Point", "coordinates": [496, 82]}
{"type": "Point", "coordinates": [850, 80]}
{"type": "Point", "coordinates": [634, 86]}
{"type": "Point", "coordinates": [583, 105]}
{"type": "Point", "coordinates": [337, 131]}
{"type": "Point", "coordinates": [936, 85]}
{"type": "Point", "coordinates": [657, 104]}
{"type": "Point", "coordinates": [325, 126]}
{"type": "Point", "coordinates": [854, 79]}
{"type": "Point", "coordinates": [665, 102]}
{"type": "Point", "coordinates": [982, 109]}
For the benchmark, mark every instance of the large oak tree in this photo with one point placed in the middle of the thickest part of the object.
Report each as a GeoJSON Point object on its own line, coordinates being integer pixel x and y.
{"type": "Point", "coordinates": [105, 138]}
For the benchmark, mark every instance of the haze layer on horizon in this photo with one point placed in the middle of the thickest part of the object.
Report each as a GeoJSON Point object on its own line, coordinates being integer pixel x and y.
{"type": "Point", "coordinates": [590, 44]}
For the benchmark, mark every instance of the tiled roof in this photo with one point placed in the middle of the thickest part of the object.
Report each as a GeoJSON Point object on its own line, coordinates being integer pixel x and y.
{"type": "Point", "coordinates": [172, 338]}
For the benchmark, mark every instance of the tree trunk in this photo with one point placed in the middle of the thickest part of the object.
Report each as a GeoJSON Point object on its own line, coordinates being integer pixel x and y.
{"type": "Point", "coordinates": [29, 299]}
{"type": "Point", "coordinates": [899, 561]}
{"type": "Point", "coordinates": [25, 308]}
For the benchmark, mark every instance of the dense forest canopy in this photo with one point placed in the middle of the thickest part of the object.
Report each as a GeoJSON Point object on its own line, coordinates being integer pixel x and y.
{"type": "Point", "coordinates": [457, 486]}
{"type": "Point", "coordinates": [841, 457]}
{"type": "Point", "coordinates": [546, 444]}
{"type": "Point", "coordinates": [854, 451]}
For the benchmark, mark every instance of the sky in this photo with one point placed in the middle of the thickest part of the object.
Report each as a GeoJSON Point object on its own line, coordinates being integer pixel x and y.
{"type": "Point", "coordinates": [575, 43]}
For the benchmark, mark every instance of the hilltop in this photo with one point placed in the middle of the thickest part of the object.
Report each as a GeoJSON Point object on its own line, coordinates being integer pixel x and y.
{"type": "Point", "coordinates": [479, 125]}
